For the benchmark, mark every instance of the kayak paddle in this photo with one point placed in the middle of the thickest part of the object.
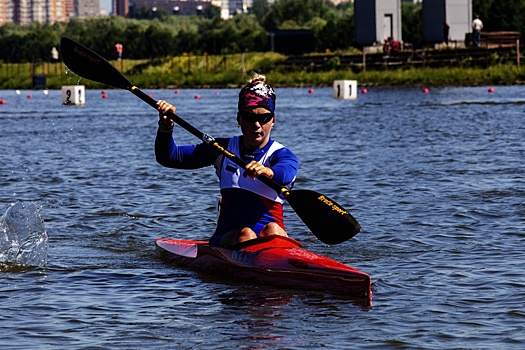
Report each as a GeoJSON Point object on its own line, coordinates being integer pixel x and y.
{"type": "Point", "coordinates": [326, 219]}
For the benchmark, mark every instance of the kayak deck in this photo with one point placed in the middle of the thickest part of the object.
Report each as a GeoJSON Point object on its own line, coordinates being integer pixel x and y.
{"type": "Point", "coordinates": [274, 260]}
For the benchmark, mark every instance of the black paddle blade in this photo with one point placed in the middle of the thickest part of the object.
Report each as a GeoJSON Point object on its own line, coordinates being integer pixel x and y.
{"type": "Point", "coordinates": [88, 64]}
{"type": "Point", "coordinates": [327, 220]}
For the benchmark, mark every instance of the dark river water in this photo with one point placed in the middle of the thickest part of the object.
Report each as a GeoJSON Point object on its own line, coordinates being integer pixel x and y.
{"type": "Point", "coordinates": [436, 180]}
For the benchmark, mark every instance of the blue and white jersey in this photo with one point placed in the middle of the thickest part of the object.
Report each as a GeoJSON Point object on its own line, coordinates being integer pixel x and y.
{"type": "Point", "coordinates": [248, 202]}
{"type": "Point", "coordinates": [231, 175]}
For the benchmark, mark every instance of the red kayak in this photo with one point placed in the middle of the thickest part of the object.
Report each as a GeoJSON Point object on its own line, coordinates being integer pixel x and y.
{"type": "Point", "coordinates": [274, 260]}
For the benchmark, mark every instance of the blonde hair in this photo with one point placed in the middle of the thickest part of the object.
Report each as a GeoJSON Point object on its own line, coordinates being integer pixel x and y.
{"type": "Point", "coordinates": [257, 78]}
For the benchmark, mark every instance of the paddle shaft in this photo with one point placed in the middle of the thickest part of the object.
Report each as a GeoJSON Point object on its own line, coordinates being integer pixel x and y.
{"type": "Point", "coordinates": [209, 140]}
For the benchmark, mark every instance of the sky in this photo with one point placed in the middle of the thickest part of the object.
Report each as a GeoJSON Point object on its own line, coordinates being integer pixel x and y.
{"type": "Point", "coordinates": [105, 5]}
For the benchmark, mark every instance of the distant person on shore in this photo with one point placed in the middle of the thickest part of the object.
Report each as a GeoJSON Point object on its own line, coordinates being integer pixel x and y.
{"type": "Point", "coordinates": [477, 26]}
{"type": "Point", "coordinates": [386, 48]}
{"type": "Point", "coordinates": [390, 47]}
{"type": "Point", "coordinates": [394, 45]}
{"type": "Point", "coordinates": [446, 30]}
{"type": "Point", "coordinates": [118, 50]}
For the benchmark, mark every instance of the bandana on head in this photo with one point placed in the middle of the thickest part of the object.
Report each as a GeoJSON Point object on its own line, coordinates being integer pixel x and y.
{"type": "Point", "coordinates": [257, 94]}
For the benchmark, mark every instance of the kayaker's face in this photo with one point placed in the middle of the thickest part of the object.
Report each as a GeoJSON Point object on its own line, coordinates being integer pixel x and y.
{"type": "Point", "coordinates": [256, 125]}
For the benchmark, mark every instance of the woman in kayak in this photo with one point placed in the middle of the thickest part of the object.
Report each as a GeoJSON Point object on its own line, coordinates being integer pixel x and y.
{"type": "Point", "coordinates": [249, 208]}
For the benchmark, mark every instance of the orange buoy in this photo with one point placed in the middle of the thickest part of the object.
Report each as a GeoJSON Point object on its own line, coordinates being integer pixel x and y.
{"type": "Point", "coordinates": [2, 102]}
{"type": "Point", "coordinates": [491, 90]}
{"type": "Point", "coordinates": [364, 91]}
{"type": "Point", "coordinates": [197, 96]}
{"type": "Point", "coordinates": [425, 91]}
{"type": "Point", "coordinates": [311, 91]}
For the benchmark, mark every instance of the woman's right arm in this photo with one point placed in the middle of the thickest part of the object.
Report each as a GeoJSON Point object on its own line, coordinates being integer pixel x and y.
{"type": "Point", "coordinates": [169, 154]}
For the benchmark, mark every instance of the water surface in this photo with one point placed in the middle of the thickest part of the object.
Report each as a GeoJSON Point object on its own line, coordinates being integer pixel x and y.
{"type": "Point", "coordinates": [436, 181]}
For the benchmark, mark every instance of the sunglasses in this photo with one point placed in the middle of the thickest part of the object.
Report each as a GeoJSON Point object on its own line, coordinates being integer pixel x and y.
{"type": "Point", "coordinates": [250, 117]}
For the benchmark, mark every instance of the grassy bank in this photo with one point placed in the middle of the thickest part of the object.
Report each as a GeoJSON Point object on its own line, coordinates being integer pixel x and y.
{"type": "Point", "coordinates": [233, 70]}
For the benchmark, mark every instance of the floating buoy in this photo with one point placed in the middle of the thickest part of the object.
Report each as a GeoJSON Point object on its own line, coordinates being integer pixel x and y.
{"type": "Point", "coordinates": [46, 92]}
{"type": "Point", "coordinates": [197, 96]}
{"type": "Point", "coordinates": [104, 96]}
{"type": "Point", "coordinates": [364, 91]}
{"type": "Point", "coordinates": [18, 92]}
{"type": "Point", "coordinates": [2, 102]}
{"type": "Point", "coordinates": [491, 90]}
{"type": "Point", "coordinates": [103, 92]}
{"type": "Point", "coordinates": [425, 91]}
{"type": "Point", "coordinates": [29, 96]}
{"type": "Point", "coordinates": [150, 95]}
{"type": "Point", "coordinates": [176, 92]}
{"type": "Point", "coordinates": [217, 93]}
{"type": "Point", "coordinates": [311, 91]}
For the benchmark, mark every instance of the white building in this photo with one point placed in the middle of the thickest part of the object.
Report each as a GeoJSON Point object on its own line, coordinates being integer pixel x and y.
{"type": "Point", "coordinates": [27, 11]}
{"type": "Point", "coordinates": [376, 20]}
{"type": "Point", "coordinates": [456, 13]}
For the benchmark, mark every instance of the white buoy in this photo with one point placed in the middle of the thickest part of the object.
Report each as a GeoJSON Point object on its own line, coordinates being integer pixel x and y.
{"type": "Point", "coordinates": [345, 89]}
{"type": "Point", "coordinates": [73, 95]}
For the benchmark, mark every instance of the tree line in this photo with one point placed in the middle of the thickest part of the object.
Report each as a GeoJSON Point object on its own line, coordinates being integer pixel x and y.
{"type": "Point", "coordinates": [150, 34]}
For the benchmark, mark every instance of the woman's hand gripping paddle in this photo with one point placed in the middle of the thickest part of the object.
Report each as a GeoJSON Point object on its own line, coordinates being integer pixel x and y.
{"type": "Point", "coordinates": [327, 220]}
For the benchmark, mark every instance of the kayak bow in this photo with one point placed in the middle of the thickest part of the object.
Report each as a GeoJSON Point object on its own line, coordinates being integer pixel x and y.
{"type": "Point", "coordinates": [275, 260]}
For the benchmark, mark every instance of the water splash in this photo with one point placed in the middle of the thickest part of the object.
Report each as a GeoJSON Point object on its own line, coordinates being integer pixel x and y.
{"type": "Point", "coordinates": [23, 238]}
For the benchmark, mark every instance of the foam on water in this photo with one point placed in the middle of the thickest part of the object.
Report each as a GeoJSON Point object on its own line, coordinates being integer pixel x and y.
{"type": "Point", "coordinates": [23, 238]}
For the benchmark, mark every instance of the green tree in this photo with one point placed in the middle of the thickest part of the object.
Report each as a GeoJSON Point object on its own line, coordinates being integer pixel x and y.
{"type": "Point", "coordinates": [495, 14]}
{"type": "Point", "coordinates": [299, 11]}
{"type": "Point", "coordinates": [338, 33]}
{"type": "Point", "coordinates": [259, 9]}
{"type": "Point", "coordinates": [243, 33]}
{"type": "Point", "coordinates": [412, 23]}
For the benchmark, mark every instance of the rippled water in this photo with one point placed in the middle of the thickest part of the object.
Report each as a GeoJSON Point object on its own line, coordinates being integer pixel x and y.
{"type": "Point", "coordinates": [436, 180]}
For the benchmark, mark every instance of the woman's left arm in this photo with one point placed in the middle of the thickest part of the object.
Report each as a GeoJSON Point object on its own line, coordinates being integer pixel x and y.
{"type": "Point", "coordinates": [284, 165]}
